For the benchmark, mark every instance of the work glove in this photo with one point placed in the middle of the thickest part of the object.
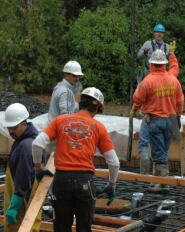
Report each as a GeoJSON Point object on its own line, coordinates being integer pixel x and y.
{"type": "Point", "coordinates": [109, 191]}
{"type": "Point", "coordinates": [132, 113]}
{"type": "Point", "coordinates": [15, 204]}
{"type": "Point", "coordinates": [41, 173]}
{"type": "Point", "coordinates": [172, 47]}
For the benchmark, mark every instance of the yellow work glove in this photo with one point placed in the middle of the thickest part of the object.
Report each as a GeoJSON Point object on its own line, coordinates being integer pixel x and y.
{"type": "Point", "coordinates": [132, 113]}
{"type": "Point", "coordinates": [172, 47]}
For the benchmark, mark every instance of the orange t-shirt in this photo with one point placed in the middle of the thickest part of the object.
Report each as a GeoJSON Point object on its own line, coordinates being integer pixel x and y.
{"type": "Point", "coordinates": [77, 135]}
{"type": "Point", "coordinates": [159, 94]}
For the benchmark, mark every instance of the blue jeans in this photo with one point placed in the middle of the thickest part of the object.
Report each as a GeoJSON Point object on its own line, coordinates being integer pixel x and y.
{"type": "Point", "coordinates": [143, 146]}
{"type": "Point", "coordinates": [160, 135]}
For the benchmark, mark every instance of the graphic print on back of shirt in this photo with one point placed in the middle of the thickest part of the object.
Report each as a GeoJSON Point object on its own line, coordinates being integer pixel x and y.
{"type": "Point", "coordinates": [77, 132]}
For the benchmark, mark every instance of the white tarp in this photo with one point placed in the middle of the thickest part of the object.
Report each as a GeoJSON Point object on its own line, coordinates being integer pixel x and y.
{"type": "Point", "coordinates": [117, 127]}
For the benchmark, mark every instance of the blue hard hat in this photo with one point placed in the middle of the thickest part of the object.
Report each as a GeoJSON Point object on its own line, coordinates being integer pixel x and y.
{"type": "Point", "coordinates": [159, 28]}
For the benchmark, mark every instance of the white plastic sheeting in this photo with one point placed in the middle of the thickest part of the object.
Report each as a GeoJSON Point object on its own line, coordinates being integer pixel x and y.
{"type": "Point", "coordinates": [117, 127]}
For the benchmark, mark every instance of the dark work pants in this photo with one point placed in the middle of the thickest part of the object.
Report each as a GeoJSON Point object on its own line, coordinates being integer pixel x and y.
{"type": "Point", "coordinates": [75, 195]}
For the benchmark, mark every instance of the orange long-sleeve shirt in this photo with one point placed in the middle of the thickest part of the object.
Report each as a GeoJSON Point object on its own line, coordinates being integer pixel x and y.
{"type": "Point", "coordinates": [160, 93]}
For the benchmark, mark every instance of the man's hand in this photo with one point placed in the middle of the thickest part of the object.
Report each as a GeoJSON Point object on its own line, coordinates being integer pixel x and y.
{"type": "Point", "coordinates": [132, 113]}
{"type": "Point", "coordinates": [109, 191]}
{"type": "Point", "coordinates": [41, 173]}
{"type": "Point", "coordinates": [172, 47]}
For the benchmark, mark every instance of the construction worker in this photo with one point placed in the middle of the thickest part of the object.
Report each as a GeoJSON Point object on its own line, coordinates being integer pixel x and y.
{"type": "Point", "coordinates": [150, 46]}
{"type": "Point", "coordinates": [160, 97]}
{"type": "Point", "coordinates": [145, 53]}
{"type": "Point", "coordinates": [77, 137]}
{"type": "Point", "coordinates": [20, 171]}
{"type": "Point", "coordinates": [63, 100]}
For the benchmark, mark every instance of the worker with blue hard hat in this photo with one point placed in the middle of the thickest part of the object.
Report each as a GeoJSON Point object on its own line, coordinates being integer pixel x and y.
{"type": "Point", "coordinates": [150, 46]}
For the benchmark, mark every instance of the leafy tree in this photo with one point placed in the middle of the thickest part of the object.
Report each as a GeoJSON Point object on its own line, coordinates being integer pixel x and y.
{"type": "Point", "coordinates": [31, 44]}
{"type": "Point", "coordinates": [38, 36]}
{"type": "Point", "coordinates": [99, 41]}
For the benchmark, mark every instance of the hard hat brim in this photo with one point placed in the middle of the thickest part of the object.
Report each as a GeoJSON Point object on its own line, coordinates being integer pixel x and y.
{"type": "Point", "coordinates": [78, 73]}
{"type": "Point", "coordinates": [11, 124]}
{"type": "Point", "coordinates": [158, 62]}
{"type": "Point", "coordinates": [159, 31]}
{"type": "Point", "coordinates": [75, 73]}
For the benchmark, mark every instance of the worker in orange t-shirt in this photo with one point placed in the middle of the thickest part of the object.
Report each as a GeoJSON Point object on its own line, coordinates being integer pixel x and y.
{"type": "Point", "coordinates": [160, 97]}
{"type": "Point", "coordinates": [77, 137]}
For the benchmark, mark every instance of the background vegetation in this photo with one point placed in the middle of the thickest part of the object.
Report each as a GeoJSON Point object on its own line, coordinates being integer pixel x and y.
{"type": "Point", "coordinates": [37, 37]}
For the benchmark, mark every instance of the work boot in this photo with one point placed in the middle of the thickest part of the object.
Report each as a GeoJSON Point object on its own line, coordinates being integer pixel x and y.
{"type": "Point", "coordinates": [144, 164]}
{"type": "Point", "coordinates": [155, 172]}
{"type": "Point", "coordinates": [164, 171]}
{"type": "Point", "coordinates": [159, 170]}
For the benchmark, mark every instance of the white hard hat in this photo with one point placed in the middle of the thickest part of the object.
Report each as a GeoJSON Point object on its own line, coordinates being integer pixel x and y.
{"type": "Point", "coordinates": [158, 57]}
{"type": "Point", "coordinates": [94, 93]}
{"type": "Point", "coordinates": [15, 114]}
{"type": "Point", "coordinates": [73, 67]}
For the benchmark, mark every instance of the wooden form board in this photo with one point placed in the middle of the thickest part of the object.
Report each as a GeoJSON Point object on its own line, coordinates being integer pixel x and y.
{"type": "Point", "coordinates": [101, 224]}
{"type": "Point", "coordinates": [2, 186]}
{"type": "Point", "coordinates": [5, 144]}
{"type": "Point", "coordinates": [131, 176]}
{"type": "Point", "coordinates": [44, 185]}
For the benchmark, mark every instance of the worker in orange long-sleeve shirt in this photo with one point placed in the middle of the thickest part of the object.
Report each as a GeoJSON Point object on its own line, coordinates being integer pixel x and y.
{"type": "Point", "coordinates": [143, 144]}
{"type": "Point", "coordinates": [159, 96]}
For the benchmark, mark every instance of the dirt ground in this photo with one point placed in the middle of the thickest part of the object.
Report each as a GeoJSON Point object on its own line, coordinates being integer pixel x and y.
{"type": "Point", "coordinates": [110, 107]}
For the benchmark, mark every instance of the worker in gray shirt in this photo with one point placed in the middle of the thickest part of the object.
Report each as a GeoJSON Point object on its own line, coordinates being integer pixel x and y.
{"type": "Point", "coordinates": [63, 100]}
{"type": "Point", "coordinates": [150, 46]}
{"type": "Point", "coordinates": [145, 53]}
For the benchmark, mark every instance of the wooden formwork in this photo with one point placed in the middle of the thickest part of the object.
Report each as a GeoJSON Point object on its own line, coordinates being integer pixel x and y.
{"type": "Point", "coordinates": [5, 145]}
{"type": "Point", "coordinates": [100, 224]}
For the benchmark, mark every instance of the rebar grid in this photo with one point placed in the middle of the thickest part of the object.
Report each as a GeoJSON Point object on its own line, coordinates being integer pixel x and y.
{"type": "Point", "coordinates": [149, 203]}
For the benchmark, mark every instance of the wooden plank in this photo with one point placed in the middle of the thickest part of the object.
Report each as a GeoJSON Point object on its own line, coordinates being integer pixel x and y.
{"type": "Point", "coordinates": [48, 226]}
{"type": "Point", "coordinates": [101, 220]}
{"type": "Point", "coordinates": [2, 186]}
{"type": "Point", "coordinates": [38, 199]}
{"type": "Point", "coordinates": [131, 176]}
{"type": "Point", "coordinates": [133, 225]}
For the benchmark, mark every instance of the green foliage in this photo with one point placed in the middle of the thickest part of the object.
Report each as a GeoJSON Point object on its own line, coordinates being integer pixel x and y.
{"type": "Point", "coordinates": [171, 14]}
{"type": "Point", "coordinates": [36, 41]}
{"type": "Point", "coordinates": [31, 44]}
{"type": "Point", "coordinates": [99, 41]}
